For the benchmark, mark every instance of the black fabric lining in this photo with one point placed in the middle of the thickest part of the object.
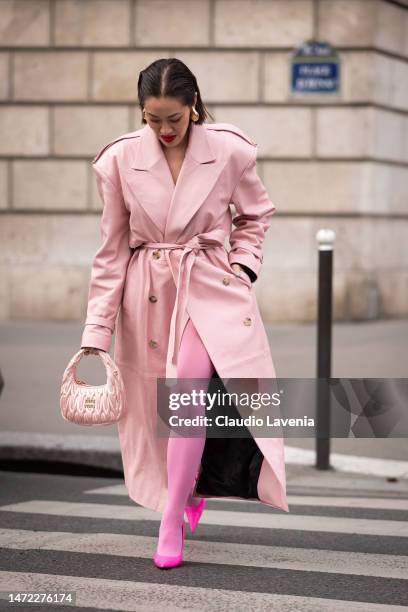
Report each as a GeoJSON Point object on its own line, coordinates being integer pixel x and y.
{"type": "Point", "coordinates": [250, 272]}
{"type": "Point", "coordinates": [230, 467]}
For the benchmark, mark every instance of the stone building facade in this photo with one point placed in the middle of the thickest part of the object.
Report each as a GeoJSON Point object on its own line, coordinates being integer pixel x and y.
{"type": "Point", "coordinates": [68, 76]}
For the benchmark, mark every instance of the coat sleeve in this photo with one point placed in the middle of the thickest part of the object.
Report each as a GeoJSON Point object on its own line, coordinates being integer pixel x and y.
{"type": "Point", "coordinates": [109, 265]}
{"type": "Point", "coordinates": [253, 218]}
{"type": "Point", "coordinates": [92, 336]}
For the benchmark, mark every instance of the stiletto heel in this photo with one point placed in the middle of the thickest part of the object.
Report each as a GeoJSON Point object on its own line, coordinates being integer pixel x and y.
{"type": "Point", "coordinates": [166, 561]}
{"type": "Point", "coordinates": [194, 514]}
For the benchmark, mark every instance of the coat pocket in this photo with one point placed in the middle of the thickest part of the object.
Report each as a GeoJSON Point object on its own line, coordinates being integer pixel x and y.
{"type": "Point", "coordinates": [243, 278]}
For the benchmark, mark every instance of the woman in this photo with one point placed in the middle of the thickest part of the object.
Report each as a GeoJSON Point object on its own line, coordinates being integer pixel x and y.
{"type": "Point", "coordinates": [186, 305]}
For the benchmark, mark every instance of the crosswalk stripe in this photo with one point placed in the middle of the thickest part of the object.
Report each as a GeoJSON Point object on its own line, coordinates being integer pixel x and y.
{"type": "Point", "coordinates": [118, 489]}
{"type": "Point", "coordinates": [345, 525]}
{"type": "Point", "coordinates": [247, 555]}
{"type": "Point", "coordinates": [150, 597]}
{"type": "Point", "coordinates": [348, 501]}
{"type": "Point", "coordinates": [352, 464]}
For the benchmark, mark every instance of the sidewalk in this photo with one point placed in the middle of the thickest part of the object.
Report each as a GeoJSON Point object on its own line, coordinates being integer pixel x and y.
{"type": "Point", "coordinates": [35, 355]}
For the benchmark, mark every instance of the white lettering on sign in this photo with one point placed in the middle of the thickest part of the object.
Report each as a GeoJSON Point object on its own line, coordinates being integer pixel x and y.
{"type": "Point", "coordinates": [319, 70]}
{"type": "Point", "coordinates": [314, 83]}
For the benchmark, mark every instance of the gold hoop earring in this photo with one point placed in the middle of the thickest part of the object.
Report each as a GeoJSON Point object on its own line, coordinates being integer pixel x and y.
{"type": "Point", "coordinates": [194, 116]}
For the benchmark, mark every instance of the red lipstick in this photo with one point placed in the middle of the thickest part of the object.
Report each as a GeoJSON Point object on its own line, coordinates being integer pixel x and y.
{"type": "Point", "coordinates": [168, 138]}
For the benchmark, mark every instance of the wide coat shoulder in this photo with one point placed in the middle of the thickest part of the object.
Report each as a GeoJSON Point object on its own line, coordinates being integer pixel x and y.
{"type": "Point", "coordinates": [232, 132]}
{"type": "Point", "coordinates": [117, 144]}
{"type": "Point", "coordinates": [241, 149]}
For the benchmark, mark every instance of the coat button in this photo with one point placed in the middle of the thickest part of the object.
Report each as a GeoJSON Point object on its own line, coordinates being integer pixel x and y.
{"type": "Point", "coordinates": [153, 344]}
{"type": "Point", "coordinates": [156, 254]}
{"type": "Point", "coordinates": [247, 321]}
{"type": "Point", "coordinates": [226, 280]}
{"type": "Point", "coordinates": [152, 298]}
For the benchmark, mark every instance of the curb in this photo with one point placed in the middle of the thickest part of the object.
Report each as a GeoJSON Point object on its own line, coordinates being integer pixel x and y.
{"type": "Point", "coordinates": [96, 451]}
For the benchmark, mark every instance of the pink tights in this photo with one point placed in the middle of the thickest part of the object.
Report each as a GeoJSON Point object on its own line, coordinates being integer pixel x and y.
{"type": "Point", "coordinates": [184, 454]}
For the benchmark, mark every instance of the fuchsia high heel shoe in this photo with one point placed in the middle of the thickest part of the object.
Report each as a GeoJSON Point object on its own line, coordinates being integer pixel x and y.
{"type": "Point", "coordinates": [166, 561]}
{"type": "Point", "coordinates": [194, 514]}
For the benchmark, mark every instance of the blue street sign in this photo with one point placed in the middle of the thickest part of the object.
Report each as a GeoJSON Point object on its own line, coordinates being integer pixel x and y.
{"type": "Point", "coordinates": [315, 68]}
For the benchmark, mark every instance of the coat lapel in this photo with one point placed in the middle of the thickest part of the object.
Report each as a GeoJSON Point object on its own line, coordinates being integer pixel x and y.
{"type": "Point", "coordinates": [170, 206]}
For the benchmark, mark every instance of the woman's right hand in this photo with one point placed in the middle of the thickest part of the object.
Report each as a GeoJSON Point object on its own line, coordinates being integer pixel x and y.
{"type": "Point", "coordinates": [90, 350]}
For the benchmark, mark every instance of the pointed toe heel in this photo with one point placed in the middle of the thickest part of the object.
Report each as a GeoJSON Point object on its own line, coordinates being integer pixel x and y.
{"type": "Point", "coordinates": [194, 514]}
{"type": "Point", "coordinates": [166, 561]}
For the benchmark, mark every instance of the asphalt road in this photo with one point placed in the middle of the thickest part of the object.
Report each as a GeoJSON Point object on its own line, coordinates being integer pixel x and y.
{"type": "Point", "coordinates": [340, 547]}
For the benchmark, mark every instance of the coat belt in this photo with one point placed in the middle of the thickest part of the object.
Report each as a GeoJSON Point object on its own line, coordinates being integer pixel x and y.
{"type": "Point", "coordinates": [208, 240]}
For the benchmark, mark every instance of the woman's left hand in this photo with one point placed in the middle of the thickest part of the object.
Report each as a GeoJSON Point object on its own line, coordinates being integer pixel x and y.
{"type": "Point", "coordinates": [240, 271]}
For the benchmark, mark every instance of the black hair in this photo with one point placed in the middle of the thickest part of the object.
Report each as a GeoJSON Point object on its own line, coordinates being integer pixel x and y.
{"type": "Point", "coordinates": [170, 77]}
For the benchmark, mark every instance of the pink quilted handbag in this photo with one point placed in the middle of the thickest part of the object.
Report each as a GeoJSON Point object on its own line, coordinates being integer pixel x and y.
{"type": "Point", "coordinates": [85, 404]}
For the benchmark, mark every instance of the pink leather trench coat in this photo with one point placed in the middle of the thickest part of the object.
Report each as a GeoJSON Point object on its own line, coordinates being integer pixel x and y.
{"type": "Point", "coordinates": [164, 257]}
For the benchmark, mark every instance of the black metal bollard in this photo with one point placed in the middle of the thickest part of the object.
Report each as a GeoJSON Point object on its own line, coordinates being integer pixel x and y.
{"type": "Point", "coordinates": [325, 238]}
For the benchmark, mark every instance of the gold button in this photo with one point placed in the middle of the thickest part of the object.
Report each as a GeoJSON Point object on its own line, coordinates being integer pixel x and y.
{"type": "Point", "coordinates": [226, 280]}
{"type": "Point", "coordinates": [152, 298]}
{"type": "Point", "coordinates": [247, 321]}
{"type": "Point", "coordinates": [156, 254]}
{"type": "Point", "coordinates": [153, 344]}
